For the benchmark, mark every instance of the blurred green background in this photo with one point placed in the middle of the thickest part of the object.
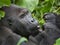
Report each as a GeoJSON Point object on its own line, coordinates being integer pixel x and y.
{"type": "Point", "coordinates": [37, 7]}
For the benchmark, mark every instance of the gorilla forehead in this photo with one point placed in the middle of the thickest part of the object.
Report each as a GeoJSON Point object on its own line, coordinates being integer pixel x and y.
{"type": "Point", "coordinates": [14, 10]}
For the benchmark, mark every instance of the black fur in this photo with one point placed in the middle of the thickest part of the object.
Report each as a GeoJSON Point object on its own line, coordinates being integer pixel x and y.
{"type": "Point", "coordinates": [58, 21]}
{"type": "Point", "coordinates": [51, 29]}
{"type": "Point", "coordinates": [17, 21]}
{"type": "Point", "coordinates": [20, 21]}
{"type": "Point", "coordinates": [7, 37]}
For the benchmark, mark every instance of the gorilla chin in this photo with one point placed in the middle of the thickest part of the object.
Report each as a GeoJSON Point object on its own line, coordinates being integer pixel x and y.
{"type": "Point", "coordinates": [20, 21]}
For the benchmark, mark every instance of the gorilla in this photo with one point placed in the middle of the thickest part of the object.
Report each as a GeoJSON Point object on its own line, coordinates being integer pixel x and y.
{"type": "Point", "coordinates": [20, 21]}
{"type": "Point", "coordinates": [17, 21]}
{"type": "Point", "coordinates": [51, 28]}
{"type": "Point", "coordinates": [58, 21]}
{"type": "Point", "coordinates": [50, 17]}
{"type": "Point", "coordinates": [8, 37]}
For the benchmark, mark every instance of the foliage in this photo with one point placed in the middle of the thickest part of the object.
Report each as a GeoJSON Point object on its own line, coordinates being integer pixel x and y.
{"type": "Point", "coordinates": [29, 4]}
{"type": "Point", "coordinates": [2, 14]}
{"type": "Point", "coordinates": [46, 6]}
{"type": "Point", "coordinates": [57, 42]}
{"type": "Point", "coordinates": [4, 3]}
{"type": "Point", "coordinates": [37, 7]}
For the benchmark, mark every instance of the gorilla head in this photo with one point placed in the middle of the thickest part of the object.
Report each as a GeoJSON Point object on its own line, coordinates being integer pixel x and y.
{"type": "Point", "coordinates": [50, 17]}
{"type": "Point", "coordinates": [19, 20]}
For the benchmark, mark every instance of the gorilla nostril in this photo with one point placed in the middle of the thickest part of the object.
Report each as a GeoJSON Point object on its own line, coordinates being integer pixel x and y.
{"type": "Point", "coordinates": [33, 20]}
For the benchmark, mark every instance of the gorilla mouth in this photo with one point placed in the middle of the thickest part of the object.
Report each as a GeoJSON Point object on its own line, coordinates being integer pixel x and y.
{"type": "Point", "coordinates": [35, 30]}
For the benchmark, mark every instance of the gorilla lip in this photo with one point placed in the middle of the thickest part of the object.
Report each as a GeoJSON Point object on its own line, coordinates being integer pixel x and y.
{"type": "Point", "coordinates": [35, 29]}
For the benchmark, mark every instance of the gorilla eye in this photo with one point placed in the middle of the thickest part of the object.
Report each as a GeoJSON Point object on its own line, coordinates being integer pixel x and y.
{"type": "Point", "coordinates": [23, 15]}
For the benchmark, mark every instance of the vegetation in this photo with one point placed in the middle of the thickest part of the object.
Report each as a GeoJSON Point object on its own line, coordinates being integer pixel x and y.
{"type": "Point", "coordinates": [36, 7]}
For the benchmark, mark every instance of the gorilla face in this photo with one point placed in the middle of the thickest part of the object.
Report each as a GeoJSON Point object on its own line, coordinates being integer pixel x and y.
{"type": "Point", "coordinates": [20, 20]}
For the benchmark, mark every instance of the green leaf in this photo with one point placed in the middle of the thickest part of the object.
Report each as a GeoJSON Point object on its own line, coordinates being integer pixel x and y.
{"type": "Point", "coordinates": [57, 42]}
{"type": "Point", "coordinates": [41, 21]}
{"type": "Point", "coordinates": [57, 2]}
{"type": "Point", "coordinates": [46, 0]}
{"type": "Point", "coordinates": [2, 14]}
{"type": "Point", "coordinates": [29, 4]}
{"type": "Point", "coordinates": [46, 8]}
{"type": "Point", "coordinates": [5, 3]}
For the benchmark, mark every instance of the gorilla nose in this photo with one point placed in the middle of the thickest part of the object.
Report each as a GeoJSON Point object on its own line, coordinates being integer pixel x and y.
{"type": "Point", "coordinates": [32, 20]}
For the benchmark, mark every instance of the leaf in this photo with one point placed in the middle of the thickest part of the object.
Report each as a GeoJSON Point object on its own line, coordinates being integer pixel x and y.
{"type": "Point", "coordinates": [29, 4]}
{"type": "Point", "coordinates": [46, 0]}
{"type": "Point", "coordinates": [46, 8]}
{"type": "Point", "coordinates": [5, 3]}
{"type": "Point", "coordinates": [2, 14]}
{"type": "Point", "coordinates": [57, 2]}
{"type": "Point", "coordinates": [41, 21]}
{"type": "Point", "coordinates": [58, 42]}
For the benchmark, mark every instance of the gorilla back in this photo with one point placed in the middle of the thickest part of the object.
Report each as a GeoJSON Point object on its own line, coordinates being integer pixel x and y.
{"type": "Point", "coordinates": [20, 20]}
